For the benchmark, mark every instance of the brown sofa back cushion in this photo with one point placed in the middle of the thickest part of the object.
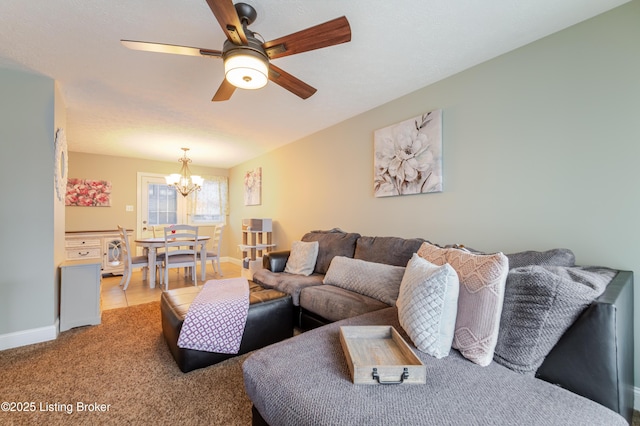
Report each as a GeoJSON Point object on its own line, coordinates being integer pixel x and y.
{"type": "Point", "coordinates": [390, 250]}
{"type": "Point", "coordinates": [331, 243]}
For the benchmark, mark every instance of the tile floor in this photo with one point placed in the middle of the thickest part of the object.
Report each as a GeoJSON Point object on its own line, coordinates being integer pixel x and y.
{"type": "Point", "coordinates": [139, 292]}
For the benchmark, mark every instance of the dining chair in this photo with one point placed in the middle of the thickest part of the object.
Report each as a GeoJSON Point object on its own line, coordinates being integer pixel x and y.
{"type": "Point", "coordinates": [180, 250]}
{"type": "Point", "coordinates": [157, 230]}
{"type": "Point", "coordinates": [214, 254]}
{"type": "Point", "coordinates": [131, 262]}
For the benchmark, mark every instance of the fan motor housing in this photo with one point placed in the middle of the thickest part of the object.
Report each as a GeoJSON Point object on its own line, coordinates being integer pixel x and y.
{"type": "Point", "coordinates": [253, 44]}
{"type": "Point", "coordinates": [246, 13]}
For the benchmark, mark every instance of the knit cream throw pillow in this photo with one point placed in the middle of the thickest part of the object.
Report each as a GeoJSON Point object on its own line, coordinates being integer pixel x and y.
{"type": "Point", "coordinates": [482, 282]}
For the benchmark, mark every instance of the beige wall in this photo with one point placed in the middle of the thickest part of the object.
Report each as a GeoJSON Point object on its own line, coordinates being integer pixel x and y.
{"type": "Point", "coordinates": [123, 175]}
{"type": "Point", "coordinates": [541, 149]}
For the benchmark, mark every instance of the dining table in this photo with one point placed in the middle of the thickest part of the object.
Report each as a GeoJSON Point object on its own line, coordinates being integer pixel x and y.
{"type": "Point", "coordinates": [151, 246]}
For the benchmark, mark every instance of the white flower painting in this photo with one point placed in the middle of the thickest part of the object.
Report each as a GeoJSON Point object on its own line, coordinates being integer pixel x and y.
{"type": "Point", "coordinates": [408, 156]}
{"type": "Point", "coordinates": [253, 187]}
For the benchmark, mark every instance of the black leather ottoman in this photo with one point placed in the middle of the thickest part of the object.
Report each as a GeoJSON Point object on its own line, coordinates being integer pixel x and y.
{"type": "Point", "coordinates": [270, 320]}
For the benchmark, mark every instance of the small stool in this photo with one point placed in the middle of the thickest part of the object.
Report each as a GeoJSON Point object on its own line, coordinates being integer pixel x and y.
{"type": "Point", "coordinates": [270, 320]}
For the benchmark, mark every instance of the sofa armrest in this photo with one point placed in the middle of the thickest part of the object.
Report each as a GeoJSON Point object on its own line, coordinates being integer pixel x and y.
{"type": "Point", "coordinates": [594, 358]}
{"type": "Point", "coordinates": [275, 261]}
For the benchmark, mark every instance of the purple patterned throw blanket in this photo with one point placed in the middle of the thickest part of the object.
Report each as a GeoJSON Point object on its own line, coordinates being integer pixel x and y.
{"type": "Point", "coordinates": [216, 318]}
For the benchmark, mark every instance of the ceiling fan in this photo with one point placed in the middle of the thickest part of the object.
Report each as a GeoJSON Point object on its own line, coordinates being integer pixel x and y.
{"type": "Point", "coordinates": [247, 59]}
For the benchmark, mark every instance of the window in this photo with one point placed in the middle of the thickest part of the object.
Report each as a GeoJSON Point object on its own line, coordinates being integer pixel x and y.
{"type": "Point", "coordinates": [160, 204]}
{"type": "Point", "coordinates": [209, 205]}
{"type": "Point", "coordinates": [163, 204]}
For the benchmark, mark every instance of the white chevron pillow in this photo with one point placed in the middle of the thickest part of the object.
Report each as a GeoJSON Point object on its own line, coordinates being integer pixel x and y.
{"type": "Point", "coordinates": [428, 305]}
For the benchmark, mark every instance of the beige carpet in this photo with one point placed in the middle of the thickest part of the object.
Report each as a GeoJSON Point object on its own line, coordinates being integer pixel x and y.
{"type": "Point", "coordinates": [124, 364]}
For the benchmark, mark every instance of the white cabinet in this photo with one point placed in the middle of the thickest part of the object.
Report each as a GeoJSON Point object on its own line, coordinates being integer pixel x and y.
{"type": "Point", "coordinates": [85, 247]}
{"type": "Point", "coordinates": [112, 252]}
{"type": "Point", "coordinates": [80, 293]}
{"type": "Point", "coordinates": [104, 246]}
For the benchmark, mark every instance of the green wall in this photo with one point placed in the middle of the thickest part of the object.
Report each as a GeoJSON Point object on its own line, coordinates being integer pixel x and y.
{"type": "Point", "coordinates": [28, 285]}
{"type": "Point", "coordinates": [541, 149]}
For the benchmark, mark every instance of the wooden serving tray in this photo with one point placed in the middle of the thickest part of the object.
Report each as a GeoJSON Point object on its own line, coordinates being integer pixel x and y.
{"type": "Point", "coordinates": [377, 354]}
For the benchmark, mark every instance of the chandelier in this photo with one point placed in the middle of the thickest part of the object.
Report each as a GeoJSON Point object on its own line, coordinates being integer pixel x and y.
{"type": "Point", "coordinates": [184, 181]}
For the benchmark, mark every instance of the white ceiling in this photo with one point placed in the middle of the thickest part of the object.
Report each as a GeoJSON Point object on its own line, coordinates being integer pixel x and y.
{"type": "Point", "coordinates": [148, 105]}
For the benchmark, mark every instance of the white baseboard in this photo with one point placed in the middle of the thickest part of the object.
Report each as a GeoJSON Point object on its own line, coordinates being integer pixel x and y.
{"type": "Point", "coordinates": [233, 260]}
{"type": "Point", "coordinates": [28, 337]}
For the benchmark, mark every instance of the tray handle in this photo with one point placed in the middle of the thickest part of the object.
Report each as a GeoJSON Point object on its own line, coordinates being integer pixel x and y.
{"type": "Point", "coordinates": [403, 377]}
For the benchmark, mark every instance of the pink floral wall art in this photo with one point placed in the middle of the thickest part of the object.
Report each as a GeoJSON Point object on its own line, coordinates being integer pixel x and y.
{"type": "Point", "coordinates": [408, 156]}
{"type": "Point", "coordinates": [88, 193]}
{"type": "Point", "coordinates": [253, 187]}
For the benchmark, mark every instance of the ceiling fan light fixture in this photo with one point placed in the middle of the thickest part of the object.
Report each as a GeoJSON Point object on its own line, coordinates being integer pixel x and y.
{"type": "Point", "coordinates": [246, 69]}
{"type": "Point", "coordinates": [247, 57]}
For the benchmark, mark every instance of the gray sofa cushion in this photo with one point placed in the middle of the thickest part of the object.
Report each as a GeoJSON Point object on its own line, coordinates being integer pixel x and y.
{"type": "Point", "coordinates": [331, 243]}
{"type": "Point", "coordinates": [540, 304]}
{"type": "Point", "coordinates": [554, 257]}
{"type": "Point", "coordinates": [390, 250]}
{"type": "Point", "coordinates": [314, 387]}
{"type": "Point", "coordinates": [335, 303]}
{"type": "Point", "coordinates": [287, 283]}
{"type": "Point", "coordinates": [377, 280]}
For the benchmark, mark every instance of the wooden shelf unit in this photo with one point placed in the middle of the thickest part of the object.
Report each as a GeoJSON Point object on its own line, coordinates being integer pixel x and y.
{"type": "Point", "coordinates": [257, 239]}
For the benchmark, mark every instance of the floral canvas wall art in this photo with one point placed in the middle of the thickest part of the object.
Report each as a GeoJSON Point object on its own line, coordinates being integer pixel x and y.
{"type": "Point", "coordinates": [253, 187]}
{"type": "Point", "coordinates": [88, 193]}
{"type": "Point", "coordinates": [408, 156]}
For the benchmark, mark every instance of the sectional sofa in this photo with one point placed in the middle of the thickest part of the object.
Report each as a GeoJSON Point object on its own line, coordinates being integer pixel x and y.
{"type": "Point", "coordinates": [561, 349]}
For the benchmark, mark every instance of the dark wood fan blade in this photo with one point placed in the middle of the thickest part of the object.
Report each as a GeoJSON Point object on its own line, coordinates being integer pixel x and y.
{"type": "Point", "coordinates": [227, 17]}
{"type": "Point", "coordinates": [170, 48]}
{"type": "Point", "coordinates": [224, 92]}
{"type": "Point", "coordinates": [289, 82]}
{"type": "Point", "coordinates": [330, 33]}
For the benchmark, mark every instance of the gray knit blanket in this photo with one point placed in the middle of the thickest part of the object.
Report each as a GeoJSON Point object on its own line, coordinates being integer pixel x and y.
{"type": "Point", "coordinates": [305, 381]}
